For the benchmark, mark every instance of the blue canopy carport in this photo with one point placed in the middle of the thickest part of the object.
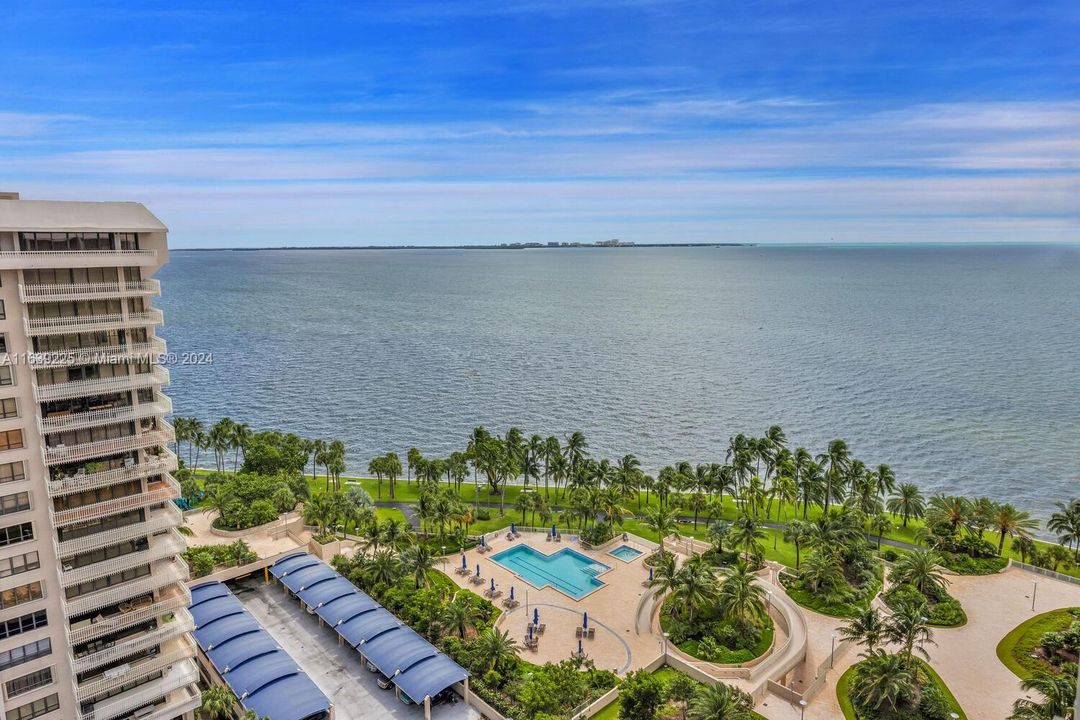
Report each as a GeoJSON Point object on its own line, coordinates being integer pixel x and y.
{"type": "Point", "coordinates": [249, 661]}
{"type": "Point", "coordinates": [413, 664]}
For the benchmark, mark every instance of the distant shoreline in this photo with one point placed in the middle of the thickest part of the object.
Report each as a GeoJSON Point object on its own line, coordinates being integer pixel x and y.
{"type": "Point", "coordinates": [512, 246]}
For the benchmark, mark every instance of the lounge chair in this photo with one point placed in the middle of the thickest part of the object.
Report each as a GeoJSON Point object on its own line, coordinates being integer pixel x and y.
{"type": "Point", "coordinates": [547, 538]}
{"type": "Point", "coordinates": [476, 579]}
{"type": "Point", "coordinates": [497, 594]}
{"type": "Point", "coordinates": [517, 534]}
{"type": "Point", "coordinates": [592, 633]}
{"type": "Point", "coordinates": [541, 628]}
{"type": "Point", "coordinates": [510, 536]}
{"type": "Point", "coordinates": [577, 633]}
{"type": "Point", "coordinates": [558, 538]}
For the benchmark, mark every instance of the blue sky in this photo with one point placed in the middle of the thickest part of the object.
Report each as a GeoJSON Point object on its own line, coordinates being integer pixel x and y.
{"type": "Point", "coordinates": [271, 123]}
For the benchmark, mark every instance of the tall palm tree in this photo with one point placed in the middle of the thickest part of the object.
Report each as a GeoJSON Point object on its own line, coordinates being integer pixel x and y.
{"type": "Point", "coordinates": [665, 574]}
{"type": "Point", "coordinates": [575, 451]}
{"type": "Point", "coordinates": [694, 588]}
{"type": "Point", "coordinates": [321, 511]}
{"type": "Point", "coordinates": [879, 525]}
{"type": "Point", "coordinates": [661, 520]}
{"type": "Point", "coordinates": [392, 468]}
{"type": "Point", "coordinates": [417, 560]}
{"type": "Point", "coordinates": [798, 533]}
{"type": "Point", "coordinates": [907, 503]}
{"type": "Point", "coordinates": [457, 616]}
{"type": "Point", "coordinates": [907, 628]}
{"type": "Point", "coordinates": [1065, 522]}
{"type": "Point", "coordinates": [834, 463]}
{"type": "Point", "coordinates": [720, 702]}
{"type": "Point", "coordinates": [241, 435]}
{"type": "Point", "coordinates": [867, 628]}
{"type": "Point", "coordinates": [1007, 520]}
{"type": "Point", "coordinates": [746, 535]}
{"type": "Point", "coordinates": [1058, 697]}
{"type": "Point", "coordinates": [952, 511]}
{"type": "Point", "coordinates": [495, 647]}
{"type": "Point", "coordinates": [383, 568]}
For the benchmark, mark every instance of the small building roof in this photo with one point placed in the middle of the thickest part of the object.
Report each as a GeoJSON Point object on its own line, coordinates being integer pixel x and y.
{"type": "Point", "coordinates": [68, 216]}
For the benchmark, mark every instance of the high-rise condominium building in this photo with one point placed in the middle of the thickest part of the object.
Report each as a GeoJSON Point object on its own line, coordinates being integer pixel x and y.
{"type": "Point", "coordinates": [93, 619]}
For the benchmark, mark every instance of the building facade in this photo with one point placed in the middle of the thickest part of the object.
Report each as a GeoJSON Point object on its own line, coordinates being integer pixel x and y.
{"type": "Point", "coordinates": [93, 618]}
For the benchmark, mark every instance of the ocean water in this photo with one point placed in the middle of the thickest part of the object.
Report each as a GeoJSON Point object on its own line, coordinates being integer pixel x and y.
{"type": "Point", "coordinates": [957, 366]}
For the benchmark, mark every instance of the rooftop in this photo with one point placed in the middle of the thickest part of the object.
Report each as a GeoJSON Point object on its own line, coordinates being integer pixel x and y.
{"type": "Point", "coordinates": [18, 215]}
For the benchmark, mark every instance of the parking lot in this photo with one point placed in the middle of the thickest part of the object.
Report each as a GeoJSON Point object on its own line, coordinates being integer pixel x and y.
{"type": "Point", "coordinates": [335, 669]}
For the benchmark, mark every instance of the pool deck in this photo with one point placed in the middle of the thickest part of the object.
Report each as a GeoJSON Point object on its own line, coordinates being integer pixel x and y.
{"type": "Point", "coordinates": [612, 609]}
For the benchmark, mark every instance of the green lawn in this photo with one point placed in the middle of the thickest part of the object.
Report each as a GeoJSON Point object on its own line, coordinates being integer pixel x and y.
{"type": "Point", "coordinates": [843, 695]}
{"type": "Point", "coordinates": [1015, 649]}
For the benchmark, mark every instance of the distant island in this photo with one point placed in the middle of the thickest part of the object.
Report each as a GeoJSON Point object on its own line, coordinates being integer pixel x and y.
{"type": "Point", "coordinates": [502, 246]}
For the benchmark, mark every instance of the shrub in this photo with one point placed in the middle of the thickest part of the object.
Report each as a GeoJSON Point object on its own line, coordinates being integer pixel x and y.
{"type": "Point", "coordinates": [483, 514]}
{"type": "Point", "coordinates": [597, 534]}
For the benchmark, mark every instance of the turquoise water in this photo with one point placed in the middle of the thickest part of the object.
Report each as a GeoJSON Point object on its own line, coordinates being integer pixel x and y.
{"type": "Point", "coordinates": [568, 571]}
{"type": "Point", "coordinates": [625, 553]}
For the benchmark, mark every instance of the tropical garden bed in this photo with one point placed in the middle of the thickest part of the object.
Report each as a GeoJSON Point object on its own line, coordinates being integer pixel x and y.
{"type": "Point", "coordinates": [917, 579]}
{"type": "Point", "coordinates": [1033, 645]}
{"type": "Point", "coordinates": [667, 693]}
{"type": "Point", "coordinates": [935, 703]}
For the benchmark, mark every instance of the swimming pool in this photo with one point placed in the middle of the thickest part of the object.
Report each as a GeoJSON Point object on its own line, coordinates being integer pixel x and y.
{"type": "Point", "coordinates": [626, 553]}
{"type": "Point", "coordinates": [566, 570]}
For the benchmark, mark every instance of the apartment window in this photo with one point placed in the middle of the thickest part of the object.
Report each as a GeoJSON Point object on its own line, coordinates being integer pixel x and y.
{"type": "Point", "coordinates": [11, 440]}
{"type": "Point", "coordinates": [20, 595]}
{"type": "Point", "coordinates": [25, 653]}
{"type": "Point", "coordinates": [3, 312]}
{"type": "Point", "coordinates": [16, 533]}
{"type": "Point", "coordinates": [3, 343]}
{"type": "Point", "coordinates": [26, 623]}
{"type": "Point", "coordinates": [16, 502]}
{"type": "Point", "coordinates": [9, 408]}
{"type": "Point", "coordinates": [35, 709]}
{"type": "Point", "coordinates": [19, 564]}
{"type": "Point", "coordinates": [12, 472]}
{"type": "Point", "coordinates": [29, 683]}
{"type": "Point", "coordinates": [6, 378]}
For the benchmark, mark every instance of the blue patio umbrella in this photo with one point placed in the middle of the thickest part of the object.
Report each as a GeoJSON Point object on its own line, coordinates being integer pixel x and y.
{"type": "Point", "coordinates": [483, 541]}
{"type": "Point", "coordinates": [492, 584]}
{"type": "Point", "coordinates": [579, 650]}
{"type": "Point", "coordinates": [464, 563]}
{"type": "Point", "coordinates": [513, 528]}
{"type": "Point", "coordinates": [536, 616]}
{"type": "Point", "coordinates": [477, 569]}
{"type": "Point", "coordinates": [553, 533]}
{"type": "Point", "coordinates": [650, 574]}
{"type": "Point", "coordinates": [511, 592]}
{"type": "Point", "coordinates": [585, 620]}
{"type": "Point", "coordinates": [528, 631]}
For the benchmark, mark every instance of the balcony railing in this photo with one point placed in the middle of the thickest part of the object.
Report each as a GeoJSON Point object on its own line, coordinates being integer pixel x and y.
{"type": "Point", "coordinates": [166, 489]}
{"type": "Point", "coordinates": [161, 547]}
{"type": "Point", "coordinates": [99, 386]}
{"type": "Point", "coordinates": [40, 292]}
{"type": "Point", "coordinates": [91, 323]}
{"type": "Point", "coordinates": [29, 259]}
{"type": "Point", "coordinates": [159, 577]}
{"type": "Point", "coordinates": [163, 519]}
{"type": "Point", "coordinates": [79, 482]}
{"type": "Point", "coordinates": [150, 350]}
{"type": "Point", "coordinates": [179, 676]}
{"type": "Point", "coordinates": [110, 446]}
{"type": "Point", "coordinates": [75, 421]}
{"type": "Point", "coordinates": [180, 624]}
{"type": "Point", "coordinates": [174, 598]}
{"type": "Point", "coordinates": [175, 652]}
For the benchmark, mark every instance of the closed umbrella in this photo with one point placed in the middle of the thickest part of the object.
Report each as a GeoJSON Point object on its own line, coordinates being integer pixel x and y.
{"type": "Point", "coordinates": [464, 563]}
{"type": "Point", "coordinates": [477, 569]}
{"type": "Point", "coordinates": [585, 620]}
{"type": "Point", "coordinates": [536, 616]}
{"type": "Point", "coordinates": [553, 533]}
{"type": "Point", "coordinates": [650, 574]}
{"type": "Point", "coordinates": [580, 651]}
{"type": "Point", "coordinates": [511, 592]}
{"type": "Point", "coordinates": [492, 584]}
{"type": "Point", "coordinates": [513, 528]}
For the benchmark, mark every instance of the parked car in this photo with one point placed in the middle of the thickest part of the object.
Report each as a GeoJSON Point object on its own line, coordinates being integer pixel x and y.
{"type": "Point", "coordinates": [384, 682]}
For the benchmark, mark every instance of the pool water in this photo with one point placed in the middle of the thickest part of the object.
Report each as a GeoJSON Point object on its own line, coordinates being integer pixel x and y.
{"type": "Point", "coordinates": [626, 553]}
{"type": "Point", "coordinates": [566, 570]}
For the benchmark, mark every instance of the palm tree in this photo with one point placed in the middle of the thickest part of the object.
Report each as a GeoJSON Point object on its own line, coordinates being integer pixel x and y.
{"type": "Point", "coordinates": [824, 575]}
{"type": "Point", "coordinates": [908, 502]}
{"type": "Point", "coordinates": [417, 560]}
{"type": "Point", "coordinates": [321, 511]}
{"type": "Point", "coordinates": [219, 500]}
{"type": "Point", "coordinates": [739, 596]}
{"type": "Point", "coordinates": [885, 683]}
{"type": "Point", "coordinates": [457, 616]}
{"type": "Point", "coordinates": [879, 525]}
{"type": "Point", "coordinates": [720, 702]}
{"type": "Point", "coordinates": [241, 434]}
{"type": "Point", "coordinates": [1007, 520]}
{"type": "Point", "coordinates": [383, 568]}
{"type": "Point", "coordinates": [747, 535]}
{"type": "Point", "coordinates": [907, 628]}
{"type": "Point", "coordinates": [217, 703]}
{"type": "Point", "coordinates": [575, 450]}
{"type": "Point", "coordinates": [798, 533]}
{"type": "Point", "coordinates": [662, 521]}
{"type": "Point", "coordinates": [948, 510]}
{"type": "Point", "coordinates": [1066, 523]}
{"type": "Point", "coordinates": [834, 462]}
{"type": "Point", "coordinates": [1058, 693]}
{"type": "Point", "coordinates": [920, 570]}
{"type": "Point", "coordinates": [495, 647]}
{"type": "Point", "coordinates": [694, 588]}
{"type": "Point", "coordinates": [866, 628]}
{"type": "Point", "coordinates": [1025, 546]}
{"type": "Point", "coordinates": [665, 574]}
{"type": "Point", "coordinates": [376, 466]}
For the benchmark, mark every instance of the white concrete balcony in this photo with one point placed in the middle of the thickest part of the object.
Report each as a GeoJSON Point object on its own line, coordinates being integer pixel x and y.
{"type": "Point", "coordinates": [160, 576]}
{"type": "Point", "coordinates": [70, 324]}
{"type": "Point", "coordinates": [47, 259]}
{"type": "Point", "coordinates": [157, 377]}
{"type": "Point", "coordinates": [81, 481]}
{"type": "Point", "coordinates": [61, 422]}
{"type": "Point", "coordinates": [111, 446]}
{"type": "Point", "coordinates": [181, 623]}
{"type": "Point", "coordinates": [173, 652]}
{"type": "Point", "coordinates": [156, 493]}
{"type": "Point", "coordinates": [41, 292]}
{"type": "Point", "coordinates": [156, 520]}
{"type": "Point", "coordinates": [149, 351]}
{"type": "Point", "coordinates": [171, 600]}
{"type": "Point", "coordinates": [160, 547]}
{"type": "Point", "coordinates": [180, 675]}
